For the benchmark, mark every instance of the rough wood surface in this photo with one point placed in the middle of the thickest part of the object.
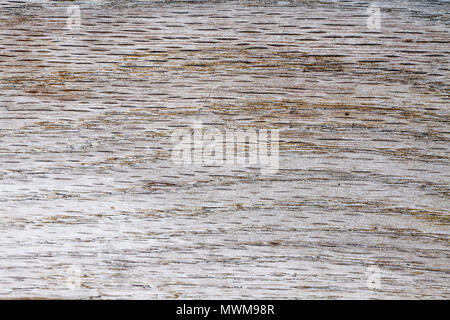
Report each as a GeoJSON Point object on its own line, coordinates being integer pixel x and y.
{"type": "Point", "coordinates": [93, 207]}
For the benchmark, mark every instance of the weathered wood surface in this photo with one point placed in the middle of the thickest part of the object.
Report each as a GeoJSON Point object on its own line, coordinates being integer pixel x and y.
{"type": "Point", "coordinates": [87, 183]}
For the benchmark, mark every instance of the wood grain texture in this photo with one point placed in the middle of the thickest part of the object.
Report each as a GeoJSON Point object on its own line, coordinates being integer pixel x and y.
{"type": "Point", "coordinates": [93, 207]}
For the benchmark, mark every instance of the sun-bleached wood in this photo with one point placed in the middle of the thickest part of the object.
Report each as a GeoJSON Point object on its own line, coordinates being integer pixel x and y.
{"type": "Point", "coordinates": [93, 207]}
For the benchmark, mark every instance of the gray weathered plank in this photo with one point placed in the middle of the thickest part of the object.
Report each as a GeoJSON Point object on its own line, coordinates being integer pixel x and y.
{"type": "Point", "coordinates": [93, 207]}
